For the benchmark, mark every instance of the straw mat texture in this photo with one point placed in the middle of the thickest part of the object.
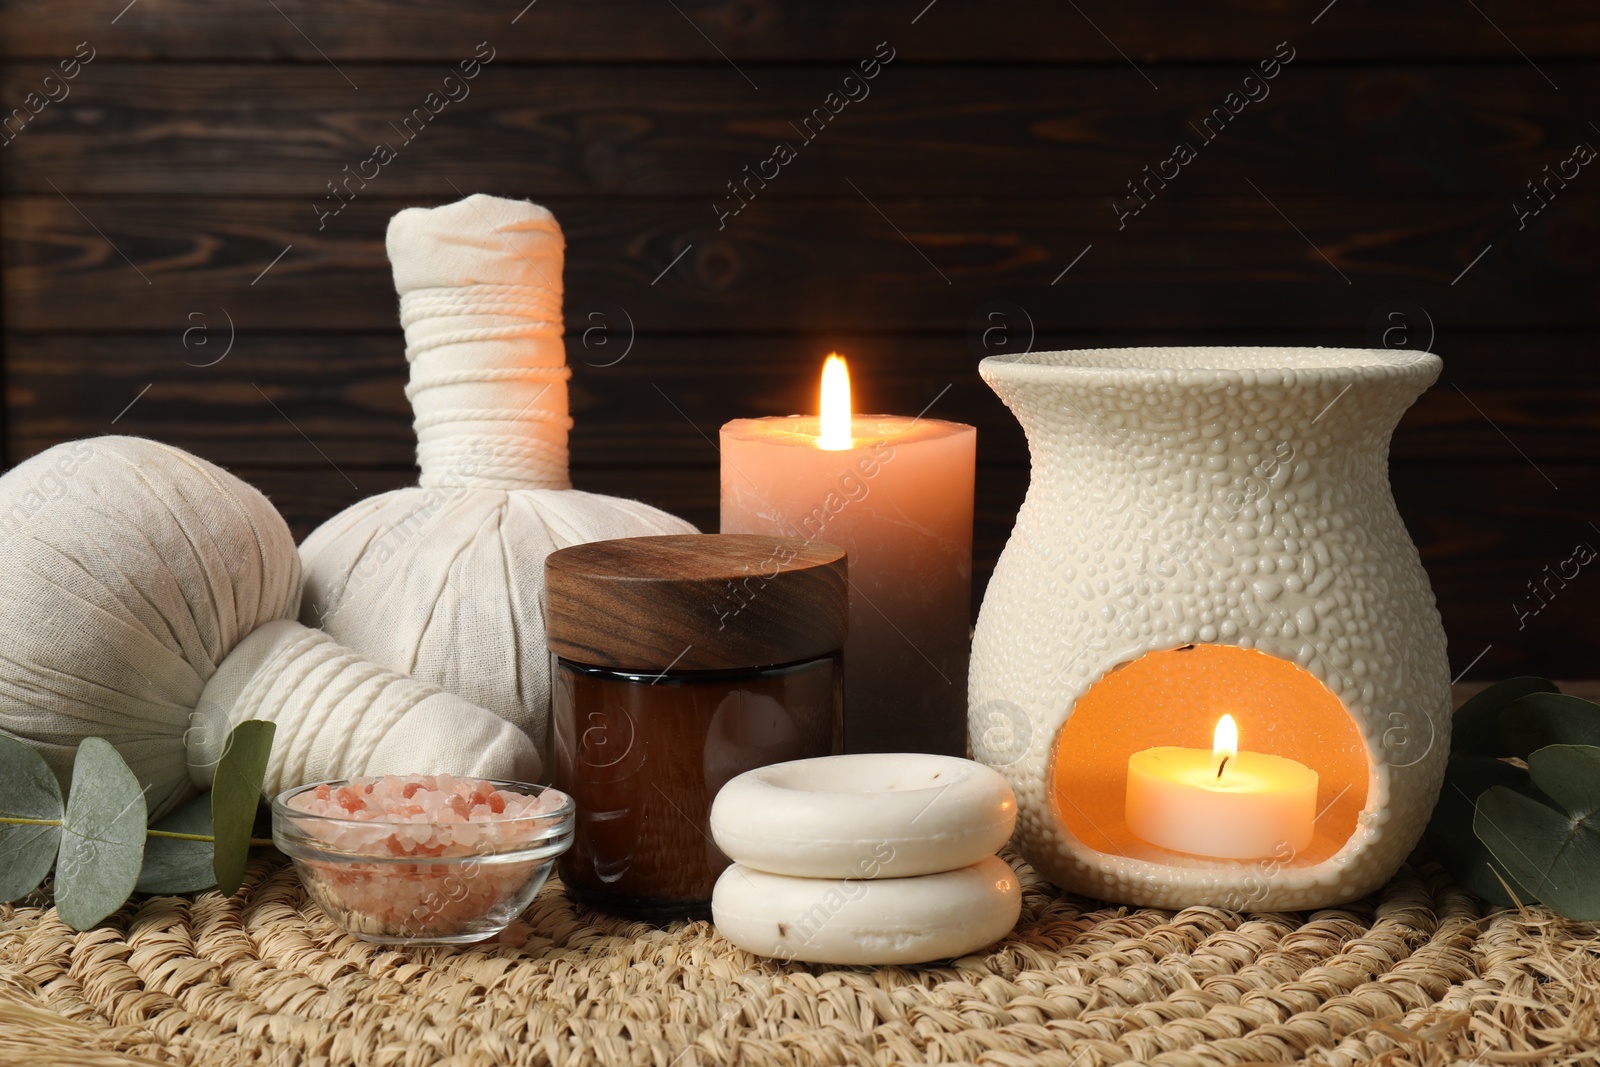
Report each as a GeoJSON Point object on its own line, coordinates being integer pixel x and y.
{"type": "Point", "coordinates": [1417, 975]}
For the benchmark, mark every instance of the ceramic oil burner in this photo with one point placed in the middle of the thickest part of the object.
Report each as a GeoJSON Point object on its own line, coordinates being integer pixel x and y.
{"type": "Point", "coordinates": [1209, 532]}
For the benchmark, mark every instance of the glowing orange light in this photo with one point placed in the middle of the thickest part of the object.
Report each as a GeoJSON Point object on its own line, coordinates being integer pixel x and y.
{"type": "Point", "coordinates": [835, 436]}
{"type": "Point", "coordinates": [1224, 743]}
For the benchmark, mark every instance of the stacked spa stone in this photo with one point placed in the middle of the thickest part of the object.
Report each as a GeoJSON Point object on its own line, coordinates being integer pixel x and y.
{"type": "Point", "coordinates": [866, 859]}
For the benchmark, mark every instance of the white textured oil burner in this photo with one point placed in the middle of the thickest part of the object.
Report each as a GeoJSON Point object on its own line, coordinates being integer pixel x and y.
{"type": "Point", "coordinates": [1210, 532]}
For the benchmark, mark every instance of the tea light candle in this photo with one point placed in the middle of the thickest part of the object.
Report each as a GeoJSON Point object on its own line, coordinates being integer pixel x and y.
{"type": "Point", "coordinates": [1224, 803]}
{"type": "Point", "coordinates": [895, 493]}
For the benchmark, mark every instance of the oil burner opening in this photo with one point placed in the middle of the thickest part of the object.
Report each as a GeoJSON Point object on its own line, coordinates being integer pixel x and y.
{"type": "Point", "coordinates": [1194, 801]}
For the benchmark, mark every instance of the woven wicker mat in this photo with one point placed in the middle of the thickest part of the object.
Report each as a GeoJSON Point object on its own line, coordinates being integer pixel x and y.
{"type": "Point", "coordinates": [1417, 975]}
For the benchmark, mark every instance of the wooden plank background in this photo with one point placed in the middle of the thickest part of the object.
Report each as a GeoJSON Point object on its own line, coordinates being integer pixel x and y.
{"type": "Point", "coordinates": [143, 213]}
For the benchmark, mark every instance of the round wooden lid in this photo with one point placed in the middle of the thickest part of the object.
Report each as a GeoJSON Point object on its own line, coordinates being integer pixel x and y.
{"type": "Point", "coordinates": [695, 602]}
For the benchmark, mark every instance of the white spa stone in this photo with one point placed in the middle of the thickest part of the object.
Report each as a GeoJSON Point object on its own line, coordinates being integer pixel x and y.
{"type": "Point", "coordinates": [871, 815]}
{"type": "Point", "coordinates": [871, 922]}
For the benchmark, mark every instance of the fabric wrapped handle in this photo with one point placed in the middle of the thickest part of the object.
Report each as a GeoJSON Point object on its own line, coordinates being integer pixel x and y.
{"type": "Point", "coordinates": [480, 300]}
{"type": "Point", "coordinates": [340, 716]}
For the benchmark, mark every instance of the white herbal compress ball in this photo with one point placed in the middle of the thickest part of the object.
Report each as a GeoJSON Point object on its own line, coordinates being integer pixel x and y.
{"type": "Point", "coordinates": [445, 581]}
{"type": "Point", "coordinates": [149, 598]}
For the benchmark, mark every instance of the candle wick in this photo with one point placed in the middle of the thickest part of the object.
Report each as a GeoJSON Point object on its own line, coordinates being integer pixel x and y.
{"type": "Point", "coordinates": [1221, 765]}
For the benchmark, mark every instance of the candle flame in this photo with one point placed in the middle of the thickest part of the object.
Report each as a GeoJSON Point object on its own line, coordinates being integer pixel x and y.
{"type": "Point", "coordinates": [1224, 743]}
{"type": "Point", "coordinates": [835, 405]}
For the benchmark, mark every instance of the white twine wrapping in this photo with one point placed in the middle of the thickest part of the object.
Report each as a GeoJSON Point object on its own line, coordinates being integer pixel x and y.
{"type": "Point", "coordinates": [480, 301]}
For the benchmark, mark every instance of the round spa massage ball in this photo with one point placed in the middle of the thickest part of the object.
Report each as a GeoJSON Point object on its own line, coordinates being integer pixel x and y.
{"type": "Point", "coordinates": [444, 580]}
{"type": "Point", "coordinates": [880, 858]}
{"type": "Point", "coordinates": [150, 597]}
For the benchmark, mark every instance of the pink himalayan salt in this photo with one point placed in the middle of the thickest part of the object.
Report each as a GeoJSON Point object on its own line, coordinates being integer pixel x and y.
{"type": "Point", "coordinates": [422, 815]}
{"type": "Point", "coordinates": [465, 821]}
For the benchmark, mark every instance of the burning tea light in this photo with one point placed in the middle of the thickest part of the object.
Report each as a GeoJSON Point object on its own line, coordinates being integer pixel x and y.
{"type": "Point", "coordinates": [1221, 803]}
{"type": "Point", "coordinates": [896, 493]}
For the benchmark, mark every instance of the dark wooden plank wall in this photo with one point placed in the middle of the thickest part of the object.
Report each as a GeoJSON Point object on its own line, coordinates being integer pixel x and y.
{"type": "Point", "coordinates": [198, 143]}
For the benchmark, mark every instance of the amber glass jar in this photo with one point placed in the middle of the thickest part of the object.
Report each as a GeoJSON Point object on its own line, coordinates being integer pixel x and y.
{"type": "Point", "coordinates": [680, 662]}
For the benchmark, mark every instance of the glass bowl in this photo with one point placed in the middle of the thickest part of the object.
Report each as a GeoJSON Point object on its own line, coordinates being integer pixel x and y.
{"type": "Point", "coordinates": [411, 880]}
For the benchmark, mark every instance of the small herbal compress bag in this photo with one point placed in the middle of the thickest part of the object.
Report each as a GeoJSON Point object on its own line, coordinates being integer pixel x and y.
{"type": "Point", "coordinates": [444, 581]}
{"type": "Point", "coordinates": [148, 599]}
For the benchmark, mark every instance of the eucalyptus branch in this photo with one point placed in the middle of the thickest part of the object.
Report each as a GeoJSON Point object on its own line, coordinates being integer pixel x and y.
{"type": "Point", "coordinates": [175, 836]}
{"type": "Point", "coordinates": [96, 835]}
{"type": "Point", "coordinates": [172, 834]}
{"type": "Point", "coordinates": [1513, 822]}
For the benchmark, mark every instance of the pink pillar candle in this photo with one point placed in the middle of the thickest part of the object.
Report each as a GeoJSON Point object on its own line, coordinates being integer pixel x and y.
{"type": "Point", "coordinates": [898, 500]}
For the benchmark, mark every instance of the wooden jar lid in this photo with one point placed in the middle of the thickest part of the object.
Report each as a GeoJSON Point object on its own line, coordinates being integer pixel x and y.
{"type": "Point", "coordinates": [695, 602]}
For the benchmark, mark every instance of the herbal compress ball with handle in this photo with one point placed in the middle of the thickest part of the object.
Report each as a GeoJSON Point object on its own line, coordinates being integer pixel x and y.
{"type": "Point", "coordinates": [444, 581]}
{"type": "Point", "coordinates": [148, 600]}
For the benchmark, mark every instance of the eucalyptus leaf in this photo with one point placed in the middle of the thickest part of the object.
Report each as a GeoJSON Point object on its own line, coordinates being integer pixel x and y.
{"type": "Point", "coordinates": [235, 796]}
{"type": "Point", "coordinates": [102, 840]}
{"type": "Point", "coordinates": [1554, 854]}
{"type": "Point", "coordinates": [1450, 833]}
{"type": "Point", "coordinates": [1570, 776]}
{"type": "Point", "coordinates": [28, 790]}
{"type": "Point", "coordinates": [177, 866]}
{"type": "Point", "coordinates": [1474, 729]}
{"type": "Point", "coordinates": [1540, 719]}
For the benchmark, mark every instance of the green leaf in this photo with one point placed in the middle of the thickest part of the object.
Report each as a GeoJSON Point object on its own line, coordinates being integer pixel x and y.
{"type": "Point", "coordinates": [1474, 728]}
{"type": "Point", "coordinates": [1450, 833]}
{"type": "Point", "coordinates": [102, 840]}
{"type": "Point", "coordinates": [235, 795]}
{"type": "Point", "coordinates": [1552, 853]}
{"type": "Point", "coordinates": [177, 866]}
{"type": "Point", "coordinates": [1541, 719]}
{"type": "Point", "coordinates": [1570, 776]}
{"type": "Point", "coordinates": [28, 790]}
